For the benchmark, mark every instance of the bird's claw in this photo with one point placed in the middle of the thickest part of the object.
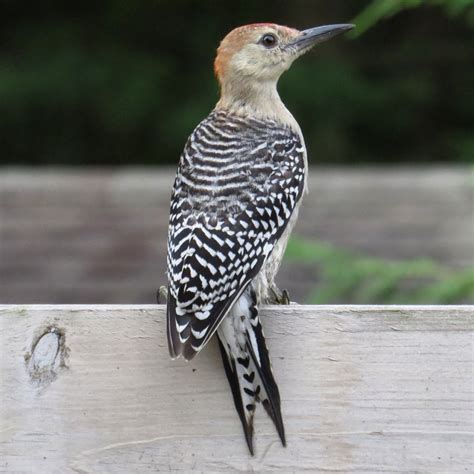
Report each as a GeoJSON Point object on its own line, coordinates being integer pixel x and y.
{"type": "Point", "coordinates": [280, 296]}
{"type": "Point", "coordinates": [162, 295]}
{"type": "Point", "coordinates": [285, 297]}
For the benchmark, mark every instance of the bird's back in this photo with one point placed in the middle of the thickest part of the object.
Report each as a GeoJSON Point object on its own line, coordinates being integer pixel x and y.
{"type": "Point", "coordinates": [228, 160]}
{"type": "Point", "coordinates": [238, 182]}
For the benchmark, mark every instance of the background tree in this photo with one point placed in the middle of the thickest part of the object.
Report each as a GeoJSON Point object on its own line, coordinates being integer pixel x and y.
{"type": "Point", "coordinates": [105, 83]}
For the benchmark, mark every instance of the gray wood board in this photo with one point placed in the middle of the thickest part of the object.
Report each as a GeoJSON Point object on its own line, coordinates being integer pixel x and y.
{"type": "Point", "coordinates": [91, 389]}
{"type": "Point", "coordinates": [99, 236]}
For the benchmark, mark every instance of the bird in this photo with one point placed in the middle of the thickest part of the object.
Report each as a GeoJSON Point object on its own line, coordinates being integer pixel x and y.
{"type": "Point", "coordinates": [236, 195]}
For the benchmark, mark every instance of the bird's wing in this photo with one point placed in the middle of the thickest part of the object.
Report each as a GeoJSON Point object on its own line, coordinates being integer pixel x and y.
{"type": "Point", "coordinates": [235, 191]}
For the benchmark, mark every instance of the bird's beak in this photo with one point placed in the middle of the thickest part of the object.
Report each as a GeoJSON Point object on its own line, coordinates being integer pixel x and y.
{"type": "Point", "coordinates": [308, 38]}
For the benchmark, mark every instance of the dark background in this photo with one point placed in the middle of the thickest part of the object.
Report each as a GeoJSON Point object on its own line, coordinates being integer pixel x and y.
{"type": "Point", "coordinates": [86, 86]}
{"type": "Point", "coordinates": [125, 82]}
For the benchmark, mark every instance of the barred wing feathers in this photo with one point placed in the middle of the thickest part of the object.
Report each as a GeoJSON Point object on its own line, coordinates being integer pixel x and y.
{"type": "Point", "coordinates": [236, 188]}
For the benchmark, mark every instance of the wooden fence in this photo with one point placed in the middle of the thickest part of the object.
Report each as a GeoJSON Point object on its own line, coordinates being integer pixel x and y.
{"type": "Point", "coordinates": [99, 236]}
{"type": "Point", "coordinates": [91, 389]}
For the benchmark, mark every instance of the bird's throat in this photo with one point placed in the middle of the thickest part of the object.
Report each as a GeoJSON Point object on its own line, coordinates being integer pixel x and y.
{"type": "Point", "coordinates": [255, 99]}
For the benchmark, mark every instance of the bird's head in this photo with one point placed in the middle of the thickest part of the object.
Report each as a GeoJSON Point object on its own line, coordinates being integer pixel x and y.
{"type": "Point", "coordinates": [259, 53]}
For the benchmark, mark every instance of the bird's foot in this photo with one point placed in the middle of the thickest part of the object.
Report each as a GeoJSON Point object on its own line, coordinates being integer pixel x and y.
{"type": "Point", "coordinates": [279, 296]}
{"type": "Point", "coordinates": [162, 295]}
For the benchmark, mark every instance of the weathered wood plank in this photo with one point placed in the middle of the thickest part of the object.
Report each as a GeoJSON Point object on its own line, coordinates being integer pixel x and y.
{"type": "Point", "coordinates": [66, 233]}
{"type": "Point", "coordinates": [373, 389]}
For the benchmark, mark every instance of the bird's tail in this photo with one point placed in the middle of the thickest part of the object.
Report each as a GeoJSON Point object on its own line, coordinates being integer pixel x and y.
{"type": "Point", "coordinates": [247, 365]}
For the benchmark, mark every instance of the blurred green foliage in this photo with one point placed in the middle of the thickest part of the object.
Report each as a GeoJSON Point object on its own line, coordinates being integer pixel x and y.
{"type": "Point", "coordinates": [382, 9]}
{"type": "Point", "coordinates": [347, 278]}
{"type": "Point", "coordinates": [123, 82]}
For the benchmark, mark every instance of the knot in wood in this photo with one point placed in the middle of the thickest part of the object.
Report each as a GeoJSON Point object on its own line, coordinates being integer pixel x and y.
{"type": "Point", "coordinates": [45, 358]}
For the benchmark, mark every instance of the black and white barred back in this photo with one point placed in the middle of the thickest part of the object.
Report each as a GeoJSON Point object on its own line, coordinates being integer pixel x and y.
{"type": "Point", "coordinates": [238, 183]}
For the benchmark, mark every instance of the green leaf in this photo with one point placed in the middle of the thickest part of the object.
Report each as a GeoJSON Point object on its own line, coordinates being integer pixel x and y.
{"type": "Point", "coordinates": [344, 277]}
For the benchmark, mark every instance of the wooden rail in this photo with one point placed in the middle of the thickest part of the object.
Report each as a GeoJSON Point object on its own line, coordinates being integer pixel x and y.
{"type": "Point", "coordinates": [99, 235]}
{"type": "Point", "coordinates": [91, 389]}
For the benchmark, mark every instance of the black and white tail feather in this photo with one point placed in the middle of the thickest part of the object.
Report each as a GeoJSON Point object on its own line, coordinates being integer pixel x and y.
{"type": "Point", "coordinates": [247, 365]}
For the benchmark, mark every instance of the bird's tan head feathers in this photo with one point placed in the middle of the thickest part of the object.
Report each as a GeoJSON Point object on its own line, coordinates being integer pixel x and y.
{"type": "Point", "coordinates": [251, 59]}
{"type": "Point", "coordinates": [254, 51]}
{"type": "Point", "coordinates": [265, 50]}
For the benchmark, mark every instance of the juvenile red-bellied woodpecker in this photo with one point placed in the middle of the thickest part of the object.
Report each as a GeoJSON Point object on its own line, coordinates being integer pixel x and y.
{"type": "Point", "coordinates": [235, 200]}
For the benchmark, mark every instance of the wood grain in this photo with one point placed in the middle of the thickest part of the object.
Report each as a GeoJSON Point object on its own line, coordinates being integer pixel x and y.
{"type": "Point", "coordinates": [364, 388]}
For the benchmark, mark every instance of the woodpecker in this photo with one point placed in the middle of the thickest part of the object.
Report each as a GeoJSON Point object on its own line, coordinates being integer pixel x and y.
{"type": "Point", "coordinates": [235, 200]}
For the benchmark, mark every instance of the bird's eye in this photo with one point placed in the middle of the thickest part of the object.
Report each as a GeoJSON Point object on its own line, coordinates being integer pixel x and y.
{"type": "Point", "coordinates": [268, 40]}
